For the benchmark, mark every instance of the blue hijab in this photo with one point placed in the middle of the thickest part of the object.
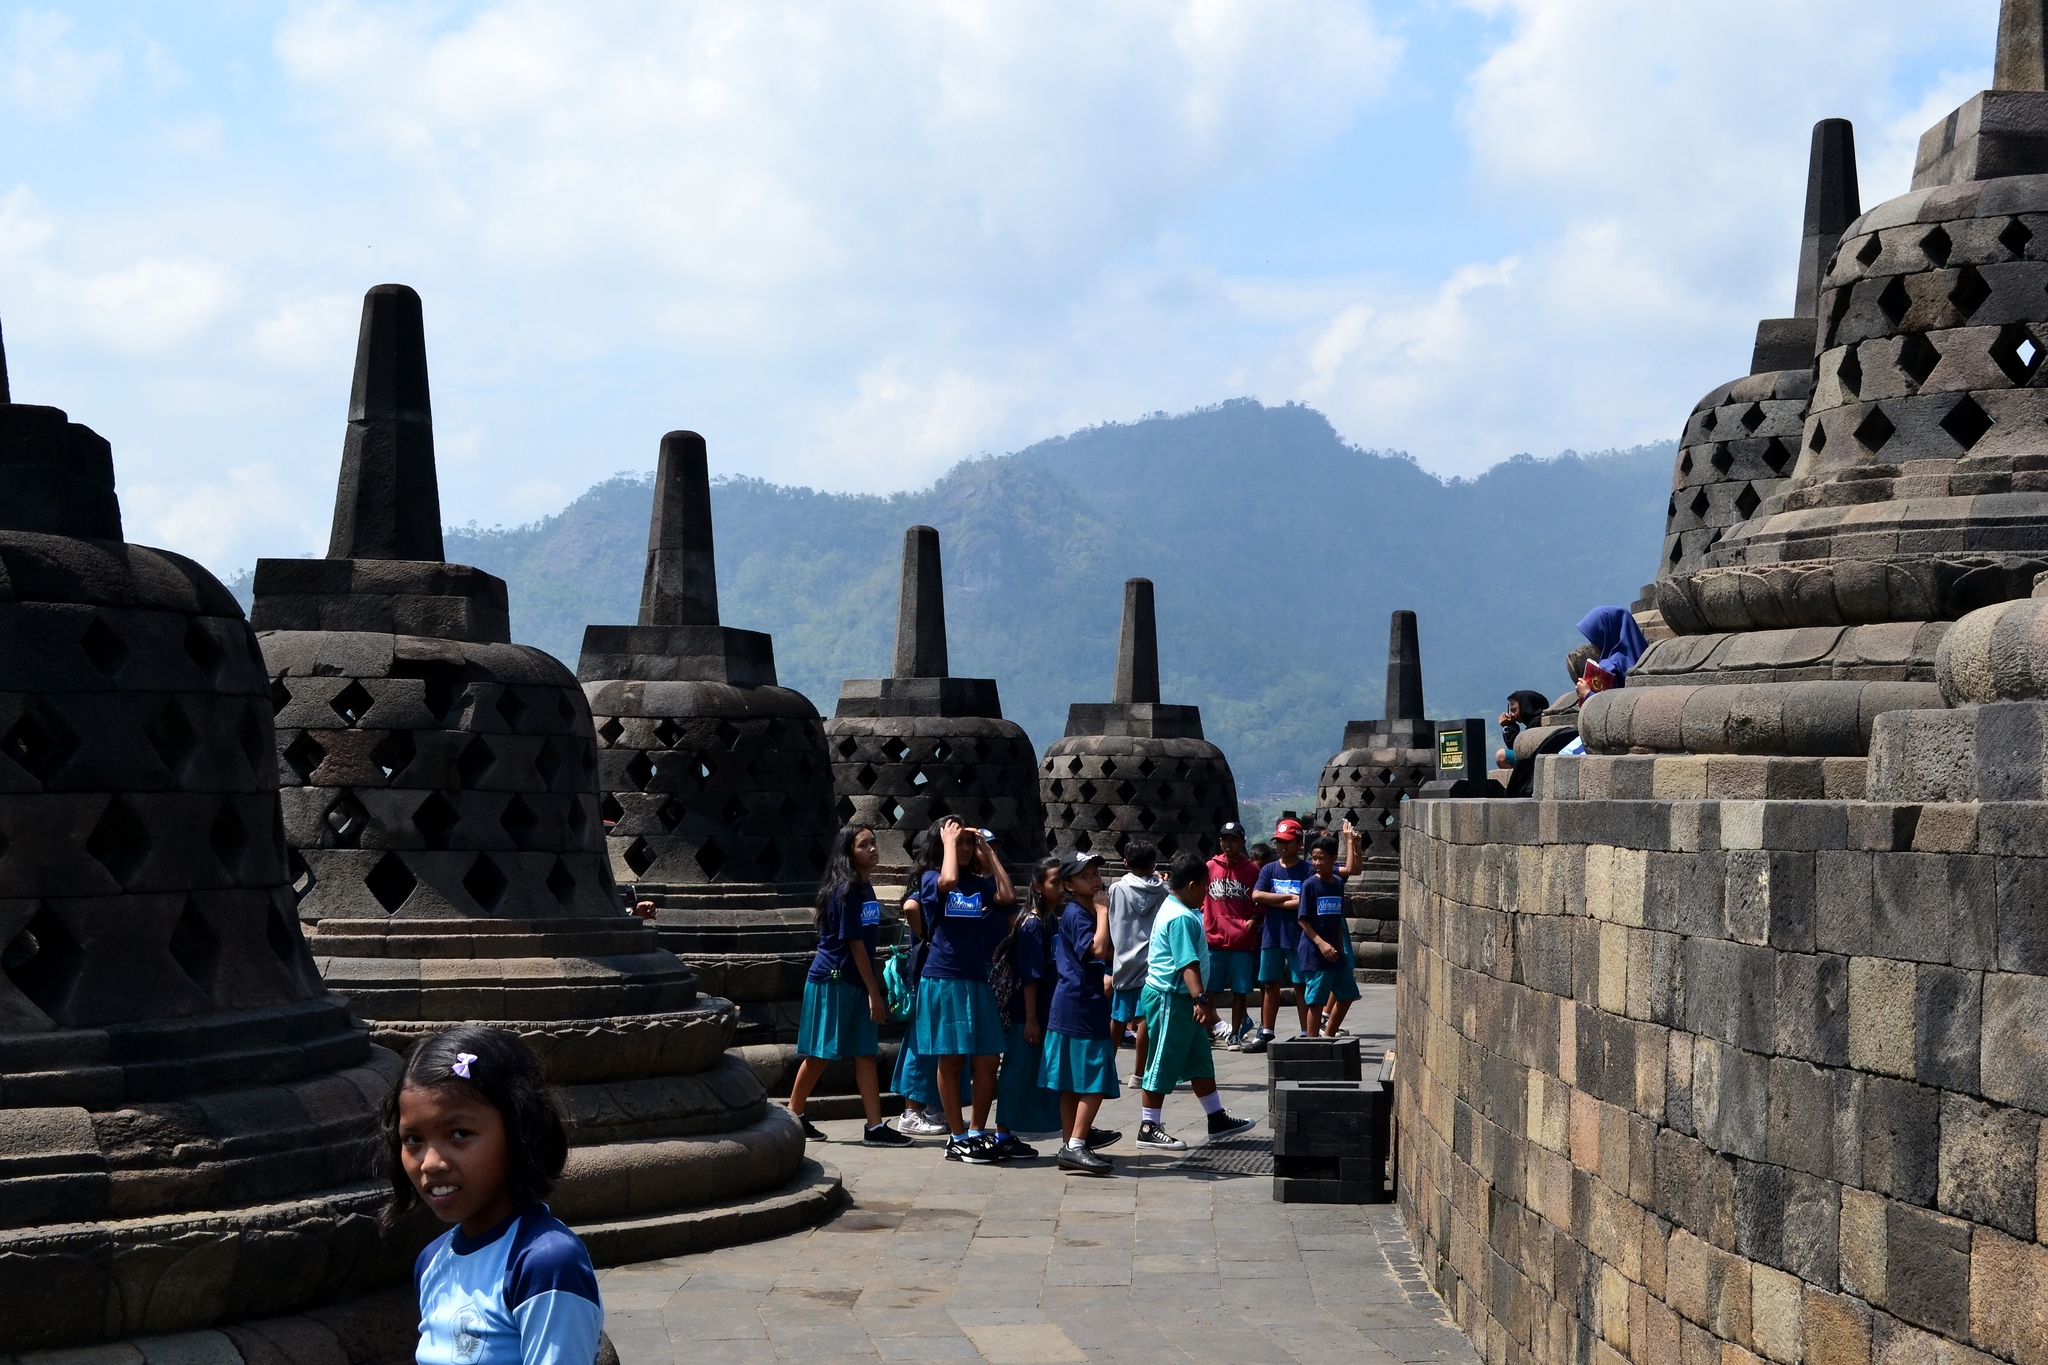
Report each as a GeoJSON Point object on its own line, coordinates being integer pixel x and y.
{"type": "Point", "coordinates": [1613, 632]}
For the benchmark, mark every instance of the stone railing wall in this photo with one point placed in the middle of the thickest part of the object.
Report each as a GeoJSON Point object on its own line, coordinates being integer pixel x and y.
{"type": "Point", "coordinates": [1692, 1081]}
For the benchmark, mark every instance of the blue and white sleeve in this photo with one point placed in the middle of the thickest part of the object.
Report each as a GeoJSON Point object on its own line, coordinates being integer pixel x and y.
{"type": "Point", "coordinates": [554, 1300]}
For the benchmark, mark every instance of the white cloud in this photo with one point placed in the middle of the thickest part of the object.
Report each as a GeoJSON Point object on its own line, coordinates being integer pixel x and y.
{"type": "Point", "coordinates": [211, 521]}
{"type": "Point", "coordinates": [44, 74]}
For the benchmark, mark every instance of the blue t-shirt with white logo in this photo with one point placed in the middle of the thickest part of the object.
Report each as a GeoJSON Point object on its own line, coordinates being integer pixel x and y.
{"type": "Point", "coordinates": [1322, 901]}
{"type": "Point", "coordinates": [965, 925]}
{"type": "Point", "coordinates": [1280, 929]}
{"type": "Point", "coordinates": [522, 1294]}
{"type": "Point", "coordinates": [851, 913]}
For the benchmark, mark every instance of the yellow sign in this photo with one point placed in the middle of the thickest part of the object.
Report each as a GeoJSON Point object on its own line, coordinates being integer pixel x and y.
{"type": "Point", "coordinates": [1450, 751]}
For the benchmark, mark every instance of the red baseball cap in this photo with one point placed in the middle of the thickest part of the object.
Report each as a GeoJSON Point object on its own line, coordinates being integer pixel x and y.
{"type": "Point", "coordinates": [1287, 829]}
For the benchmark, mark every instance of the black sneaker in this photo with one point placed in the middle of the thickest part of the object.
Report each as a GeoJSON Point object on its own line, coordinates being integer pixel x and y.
{"type": "Point", "coordinates": [1222, 1125]}
{"type": "Point", "coordinates": [1081, 1161]}
{"type": "Point", "coordinates": [975, 1151]}
{"type": "Point", "coordinates": [882, 1135]}
{"type": "Point", "coordinates": [1158, 1139]}
{"type": "Point", "coordinates": [1008, 1148]}
{"type": "Point", "coordinates": [812, 1132]}
{"type": "Point", "coordinates": [1103, 1137]}
{"type": "Point", "coordinates": [1255, 1044]}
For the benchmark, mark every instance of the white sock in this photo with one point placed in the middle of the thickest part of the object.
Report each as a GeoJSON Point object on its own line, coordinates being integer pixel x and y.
{"type": "Point", "coordinates": [1149, 1114]}
{"type": "Point", "coordinates": [1079, 1144]}
{"type": "Point", "coordinates": [1212, 1103]}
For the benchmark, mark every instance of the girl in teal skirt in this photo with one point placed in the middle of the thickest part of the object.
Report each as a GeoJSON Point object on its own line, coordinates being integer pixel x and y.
{"type": "Point", "coordinates": [843, 997]}
{"type": "Point", "coordinates": [1023, 1104]}
{"type": "Point", "coordinates": [956, 1011]}
{"type": "Point", "coordinates": [1080, 1061]}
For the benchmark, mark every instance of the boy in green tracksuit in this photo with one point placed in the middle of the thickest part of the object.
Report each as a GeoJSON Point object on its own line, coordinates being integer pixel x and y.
{"type": "Point", "coordinates": [1178, 1015]}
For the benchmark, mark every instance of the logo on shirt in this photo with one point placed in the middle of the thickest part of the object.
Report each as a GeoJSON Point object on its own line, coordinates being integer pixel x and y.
{"type": "Point", "coordinates": [963, 907]}
{"type": "Point", "coordinates": [1225, 889]}
{"type": "Point", "coordinates": [870, 914]}
{"type": "Point", "coordinates": [469, 1334]}
{"type": "Point", "coordinates": [1329, 905]}
{"type": "Point", "coordinates": [1287, 888]}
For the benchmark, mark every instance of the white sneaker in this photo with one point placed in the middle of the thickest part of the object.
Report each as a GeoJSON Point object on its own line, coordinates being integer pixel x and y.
{"type": "Point", "coordinates": [918, 1123]}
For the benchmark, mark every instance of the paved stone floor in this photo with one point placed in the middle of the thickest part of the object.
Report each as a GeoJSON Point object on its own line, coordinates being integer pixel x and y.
{"type": "Point", "coordinates": [1168, 1260]}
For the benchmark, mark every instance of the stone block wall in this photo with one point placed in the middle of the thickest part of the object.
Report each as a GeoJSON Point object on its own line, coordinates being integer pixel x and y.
{"type": "Point", "coordinates": [1730, 1081]}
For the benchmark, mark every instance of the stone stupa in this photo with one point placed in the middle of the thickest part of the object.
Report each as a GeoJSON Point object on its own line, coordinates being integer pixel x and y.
{"type": "Point", "coordinates": [1132, 767]}
{"type": "Point", "coordinates": [440, 796]}
{"type": "Point", "coordinates": [187, 1116]}
{"type": "Point", "coordinates": [717, 789]}
{"type": "Point", "coordinates": [912, 748]}
{"type": "Point", "coordinates": [1382, 765]}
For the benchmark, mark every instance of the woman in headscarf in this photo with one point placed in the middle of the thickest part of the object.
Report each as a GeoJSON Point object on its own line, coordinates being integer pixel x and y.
{"type": "Point", "coordinates": [1617, 644]}
{"type": "Point", "coordinates": [1525, 709]}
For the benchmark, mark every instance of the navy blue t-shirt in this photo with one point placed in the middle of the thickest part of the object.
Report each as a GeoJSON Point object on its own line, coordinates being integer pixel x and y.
{"type": "Point", "coordinates": [1034, 967]}
{"type": "Point", "coordinates": [1322, 900]}
{"type": "Point", "coordinates": [1280, 929]}
{"type": "Point", "coordinates": [965, 925]}
{"type": "Point", "coordinates": [1079, 1008]}
{"type": "Point", "coordinates": [851, 913]}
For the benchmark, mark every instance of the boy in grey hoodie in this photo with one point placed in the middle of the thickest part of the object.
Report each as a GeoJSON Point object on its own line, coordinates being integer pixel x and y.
{"type": "Point", "coordinates": [1134, 900]}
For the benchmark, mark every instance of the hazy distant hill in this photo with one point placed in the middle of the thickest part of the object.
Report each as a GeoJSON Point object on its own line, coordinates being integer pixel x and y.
{"type": "Point", "coordinates": [1277, 550]}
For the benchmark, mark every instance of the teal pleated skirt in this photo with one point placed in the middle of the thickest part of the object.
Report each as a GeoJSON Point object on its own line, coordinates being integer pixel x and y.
{"type": "Point", "coordinates": [1023, 1104]}
{"type": "Point", "coordinates": [957, 1018]}
{"type": "Point", "coordinates": [1086, 1066]}
{"type": "Point", "coordinates": [835, 1022]}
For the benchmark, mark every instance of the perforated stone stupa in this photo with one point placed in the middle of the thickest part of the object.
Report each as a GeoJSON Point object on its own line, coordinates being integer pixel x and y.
{"type": "Point", "coordinates": [717, 789]}
{"type": "Point", "coordinates": [1742, 440]}
{"type": "Point", "coordinates": [184, 1108]}
{"type": "Point", "coordinates": [441, 797]}
{"type": "Point", "coordinates": [910, 749]}
{"type": "Point", "coordinates": [1383, 764]}
{"type": "Point", "coordinates": [1133, 767]}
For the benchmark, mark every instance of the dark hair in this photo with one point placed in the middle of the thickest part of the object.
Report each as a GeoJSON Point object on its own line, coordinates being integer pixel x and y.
{"type": "Point", "coordinates": [1530, 704]}
{"type": "Point", "coordinates": [1325, 843]}
{"type": "Point", "coordinates": [928, 854]}
{"type": "Point", "coordinates": [1187, 869]}
{"type": "Point", "coordinates": [1260, 853]}
{"type": "Point", "coordinates": [1140, 854]}
{"type": "Point", "coordinates": [1035, 905]}
{"type": "Point", "coordinates": [839, 871]}
{"type": "Point", "coordinates": [505, 1075]}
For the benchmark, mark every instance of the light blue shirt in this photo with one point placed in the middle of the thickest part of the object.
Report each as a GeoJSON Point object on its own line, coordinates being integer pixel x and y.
{"type": "Point", "coordinates": [1177, 940]}
{"type": "Point", "coordinates": [522, 1294]}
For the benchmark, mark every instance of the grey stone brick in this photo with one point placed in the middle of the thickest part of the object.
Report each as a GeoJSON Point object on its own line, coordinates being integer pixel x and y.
{"type": "Point", "coordinates": [1843, 906]}
{"type": "Point", "coordinates": [1698, 908]}
{"type": "Point", "coordinates": [1901, 1125]}
{"type": "Point", "coordinates": [1731, 1098]}
{"type": "Point", "coordinates": [1760, 1211]}
{"type": "Point", "coordinates": [1946, 1027]}
{"type": "Point", "coordinates": [1811, 997]}
{"type": "Point", "coordinates": [1770, 898]}
{"type": "Point", "coordinates": [1932, 907]}
{"type": "Point", "coordinates": [1987, 1164]}
{"type": "Point", "coordinates": [1801, 1125]}
{"type": "Point", "coordinates": [1729, 995]}
{"type": "Point", "coordinates": [1927, 1269]}
{"type": "Point", "coordinates": [2023, 914]}
{"type": "Point", "coordinates": [2013, 1054]}
{"type": "Point", "coordinates": [1848, 1167]}
{"type": "Point", "coordinates": [1813, 1219]}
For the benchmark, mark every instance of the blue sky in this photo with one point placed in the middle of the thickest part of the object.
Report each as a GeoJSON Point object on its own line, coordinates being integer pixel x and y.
{"type": "Point", "coordinates": [853, 244]}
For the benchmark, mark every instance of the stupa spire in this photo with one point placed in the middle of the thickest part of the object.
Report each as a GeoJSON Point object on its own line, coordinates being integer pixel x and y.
{"type": "Point", "coordinates": [1404, 669]}
{"type": "Point", "coordinates": [1137, 649]}
{"type": "Point", "coordinates": [921, 608]}
{"type": "Point", "coordinates": [681, 587]}
{"type": "Point", "coordinates": [388, 503]}
{"type": "Point", "coordinates": [2022, 46]}
{"type": "Point", "coordinates": [1832, 203]}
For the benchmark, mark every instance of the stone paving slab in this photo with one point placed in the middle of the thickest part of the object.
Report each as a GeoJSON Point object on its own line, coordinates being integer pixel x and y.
{"type": "Point", "coordinates": [1019, 1264]}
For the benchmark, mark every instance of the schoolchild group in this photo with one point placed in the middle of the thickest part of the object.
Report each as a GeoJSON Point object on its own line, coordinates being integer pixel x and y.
{"type": "Point", "coordinates": [1017, 1010]}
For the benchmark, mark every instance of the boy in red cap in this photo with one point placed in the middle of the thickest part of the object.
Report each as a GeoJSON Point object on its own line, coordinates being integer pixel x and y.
{"type": "Point", "coordinates": [1278, 894]}
{"type": "Point", "coordinates": [1230, 919]}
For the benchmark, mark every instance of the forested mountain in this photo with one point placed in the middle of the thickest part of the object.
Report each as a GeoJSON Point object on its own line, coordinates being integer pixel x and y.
{"type": "Point", "coordinates": [1277, 550]}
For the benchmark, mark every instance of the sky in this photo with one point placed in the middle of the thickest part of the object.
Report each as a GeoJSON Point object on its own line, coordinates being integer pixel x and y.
{"type": "Point", "coordinates": [852, 244]}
